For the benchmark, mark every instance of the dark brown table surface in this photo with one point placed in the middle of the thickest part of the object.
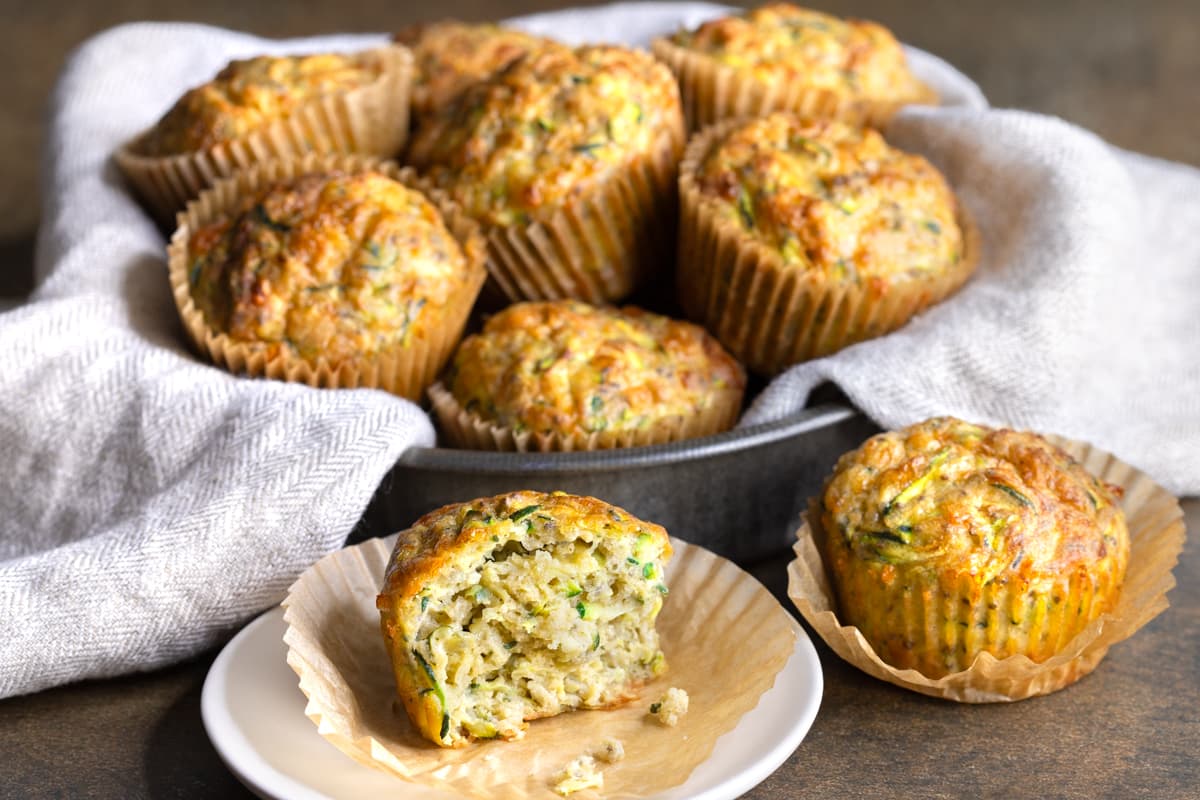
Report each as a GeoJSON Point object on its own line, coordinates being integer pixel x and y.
{"type": "Point", "coordinates": [1129, 71]}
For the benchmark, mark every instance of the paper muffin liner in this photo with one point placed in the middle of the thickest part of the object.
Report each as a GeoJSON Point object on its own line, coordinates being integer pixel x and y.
{"type": "Point", "coordinates": [1156, 530]}
{"type": "Point", "coordinates": [770, 315]}
{"type": "Point", "coordinates": [713, 92]}
{"type": "Point", "coordinates": [468, 431]}
{"type": "Point", "coordinates": [368, 120]}
{"type": "Point", "coordinates": [405, 371]}
{"type": "Point", "coordinates": [600, 246]}
{"type": "Point", "coordinates": [336, 648]}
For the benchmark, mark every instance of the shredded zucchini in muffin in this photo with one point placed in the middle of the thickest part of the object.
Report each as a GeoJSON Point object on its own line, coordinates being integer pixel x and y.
{"type": "Point", "coordinates": [834, 199]}
{"type": "Point", "coordinates": [518, 146]}
{"type": "Point", "coordinates": [521, 606]}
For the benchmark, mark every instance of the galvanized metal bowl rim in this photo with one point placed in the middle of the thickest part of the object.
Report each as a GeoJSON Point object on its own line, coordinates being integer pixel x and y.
{"type": "Point", "coordinates": [732, 441]}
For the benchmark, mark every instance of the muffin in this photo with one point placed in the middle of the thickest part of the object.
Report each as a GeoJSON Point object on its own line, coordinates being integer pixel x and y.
{"type": "Point", "coordinates": [331, 271]}
{"type": "Point", "coordinates": [946, 540]}
{"type": "Point", "coordinates": [563, 375]}
{"type": "Point", "coordinates": [784, 58]}
{"type": "Point", "coordinates": [801, 236]}
{"type": "Point", "coordinates": [450, 56]}
{"type": "Point", "coordinates": [512, 608]}
{"type": "Point", "coordinates": [568, 159]}
{"type": "Point", "coordinates": [271, 107]}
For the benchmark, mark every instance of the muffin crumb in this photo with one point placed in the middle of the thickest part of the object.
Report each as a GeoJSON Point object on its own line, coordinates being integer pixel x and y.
{"type": "Point", "coordinates": [581, 773]}
{"type": "Point", "coordinates": [672, 707]}
{"type": "Point", "coordinates": [610, 751]}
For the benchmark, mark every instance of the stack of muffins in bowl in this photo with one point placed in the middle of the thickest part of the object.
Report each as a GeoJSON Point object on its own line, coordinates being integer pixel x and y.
{"type": "Point", "coordinates": [736, 175]}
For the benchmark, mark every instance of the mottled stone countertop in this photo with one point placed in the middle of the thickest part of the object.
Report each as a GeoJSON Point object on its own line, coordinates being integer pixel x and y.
{"type": "Point", "coordinates": [1129, 71]}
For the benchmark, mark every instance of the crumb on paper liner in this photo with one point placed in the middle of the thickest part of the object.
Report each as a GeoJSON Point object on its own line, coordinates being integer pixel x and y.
{"type": "Point", "coordinates": [367, 120]}
{"type": "Point", "coordinates": [1156, 529]}
{"type": "Point", "coordinates": [335, 647]}
{"type": "Point", "coordinates": [771, 315]}
{"type": "Point", "coordinates": [712, 92]}
{"type": "Point", "coordinates": [404, 371]}
{"type": "Point", "coordinates": [466, 429]}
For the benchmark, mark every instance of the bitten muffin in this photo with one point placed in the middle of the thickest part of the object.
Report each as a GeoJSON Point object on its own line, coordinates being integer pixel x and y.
{"type": "Point", "coordinates": [346, 274]}
{"type": "Point", "coordinates": [564, 375]}
{"type": "Point", "coordinates": [450, 56]}
{"type": "Point", "coordinates": [782, 57]}
{"type": "Point", "coordinates": [271, 107]}
{"type": "Point", "coordinates": [946, 540]}
{"type": "Point", "coordinates": [568, 158]}
{"type": "Point", "coordinates": [801, 236]}
{"type": "Point", "coordinates": [511, 608]}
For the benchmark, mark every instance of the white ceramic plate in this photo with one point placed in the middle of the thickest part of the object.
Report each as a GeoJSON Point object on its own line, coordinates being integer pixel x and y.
{"type": "Point", "coordinates": [253, 711]}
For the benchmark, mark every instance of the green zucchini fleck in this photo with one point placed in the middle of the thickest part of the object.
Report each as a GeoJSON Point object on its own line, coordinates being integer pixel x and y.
{"type": "Point", "coordinates": [521, 513]}
{"type": "Point", "coordinates": [597, 404]}
{"type": "Point", "coordinates": [437, 690]}
{"type": "Point", "coordinates": [917, 486]}
{"type": "Point", "coordinates": [574, 591]}
{"type": "Point", "coordinates": [596, 641]}
{"type": "Point", "coordinates": [260, 213]}
{"type": "Point", "coordinates": [588, 148]}
{"type": "Point", "coordinates": [662, 589]}
{"type": "Point", "coordinates": [1014, 494]}
{"type": "Point", "coordinates": [424, 602]}
{"type": "Point", "coordinates": [932, 226]}
{"type": "Point", "coordinates": [654, 707]}
{"type": "Point", "coordinates": [746, 209]}
{"type": "Point", "coordinates": [582, 608]}
{"type": "Point", "coordinates": [648, 570]}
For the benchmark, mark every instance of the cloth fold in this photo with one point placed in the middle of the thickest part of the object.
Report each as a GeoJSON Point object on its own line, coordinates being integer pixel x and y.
{"type": "Point", "coordinates": [149, 503]}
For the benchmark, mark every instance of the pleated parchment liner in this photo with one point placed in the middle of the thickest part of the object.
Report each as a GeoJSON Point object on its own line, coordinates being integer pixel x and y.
{"type": "Point", "coordinates": [369, 120]}
{"type": "Point", "coordinates": [770, 315]}
{"type": "Point", "coordinates": [467, 430]}
{"type": "Point", "coordinates": [713, 612]}
{"type": "Point", "coordinates": [600, 246]}
{"type": "Point", "coordinates": [1156, 533]}
{"type": "Point", "coordinates": [713, 91]}
{"type": "Point", "coordinates": [406, 371]}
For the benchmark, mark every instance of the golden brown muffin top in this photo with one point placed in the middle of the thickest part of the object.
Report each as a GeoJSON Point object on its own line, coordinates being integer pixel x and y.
{"type": "Point", "coordinates": [954, 498]}
{"type": "Point", "coordinates": [450, 56]}
{"type": "Point", "coordinates": [834, 199]}
{"type": "Point", "coordinates": [520, 145]}
{"type": "Point", "coordinates": [565, 366]}
{"type": "Point", "coordinates": [248, 94]}
{"type": "Point", "coordinates": [331, 265]}
{"type": "Point", "coordinates": [475, 527]}
{"type": "Point", "coordinates": [780, 41]}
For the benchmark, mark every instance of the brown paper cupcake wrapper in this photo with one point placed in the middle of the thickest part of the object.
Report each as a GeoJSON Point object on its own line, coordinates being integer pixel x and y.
{"type": "Point", "coordinates": [603, 245]}
{"type": "Point", "coordinates": [467, 430]}
{"type": "Point", "coordinates": [713, 92]}
{"type": "Point", "coordinates": [1156, 533]}
{"type": "Point", "coordinates": [335, 646]}
{"type": "Point", "coordinates": [405, 371]}
{"type": "Point", "coordinates": [369, 120]}
{"type": "Point", "coordinates": [769, 315]}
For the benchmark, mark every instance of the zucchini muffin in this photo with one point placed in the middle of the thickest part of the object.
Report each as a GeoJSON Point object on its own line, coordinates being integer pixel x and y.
{"type": "Point", "coordinates": [784, 58]}
{"type": "Point", "coordinates": [564, 375]}
{"type": "Point", "coordinates": [946, 540]}
{"type": "Point", "coordinates": [568, 158]}
{"type": "Point", "coordinates": [802, 236]}
{"type": "Point", "coordinates": [450, 56]}
{"type": "Point", "coordinates": [339, 276]}
{"type": "Point", "coordinates": [272, 107]}
{"type": "Point", "coordinates": [521, 606]}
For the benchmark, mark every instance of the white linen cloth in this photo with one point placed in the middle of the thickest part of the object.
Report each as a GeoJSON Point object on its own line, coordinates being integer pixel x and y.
{"type": "Point", "coordinates": [149, 502]}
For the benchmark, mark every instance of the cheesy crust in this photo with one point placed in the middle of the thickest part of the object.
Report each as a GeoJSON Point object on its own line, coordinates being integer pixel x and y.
{"type": "Point", "coordinates": [248, 94]}
{"type": "Point", "coordinates": [518, 147]}
{"type": "Point", "coordinates": [948, 539]}
{"type": "Point", "coordinates": [450, 56]}
{"type": "Point", "coordinates": [520, 606]}
{"type": "Point", "coordinates": [786, 43]}
{"type": "Point", "coordinates": [335, 265]}
{"type": "Point", "coordinates": [834, 199]}
{"type": "Point", "coordinates": [565, 366]}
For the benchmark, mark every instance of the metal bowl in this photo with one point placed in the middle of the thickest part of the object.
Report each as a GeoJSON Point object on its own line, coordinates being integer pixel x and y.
{"type": "Point", "coordinates": [738, 493]}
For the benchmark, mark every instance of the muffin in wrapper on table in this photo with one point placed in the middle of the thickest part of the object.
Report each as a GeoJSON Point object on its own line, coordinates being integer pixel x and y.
{"type": "Point", "coordinates": [268, 108]}
{"type": "Point", "coordinates": [784, 58]}
{"type": "Point", "coordinates": [799, 237]}
{"type": "Point", "coordinates": [333, 271]}
{"type": "Point", "coordinates": [568, 158]}
{"type": "Point", "coordinates": [563, 375]}
{"type": "Point", "coordinates": [979, 564]}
